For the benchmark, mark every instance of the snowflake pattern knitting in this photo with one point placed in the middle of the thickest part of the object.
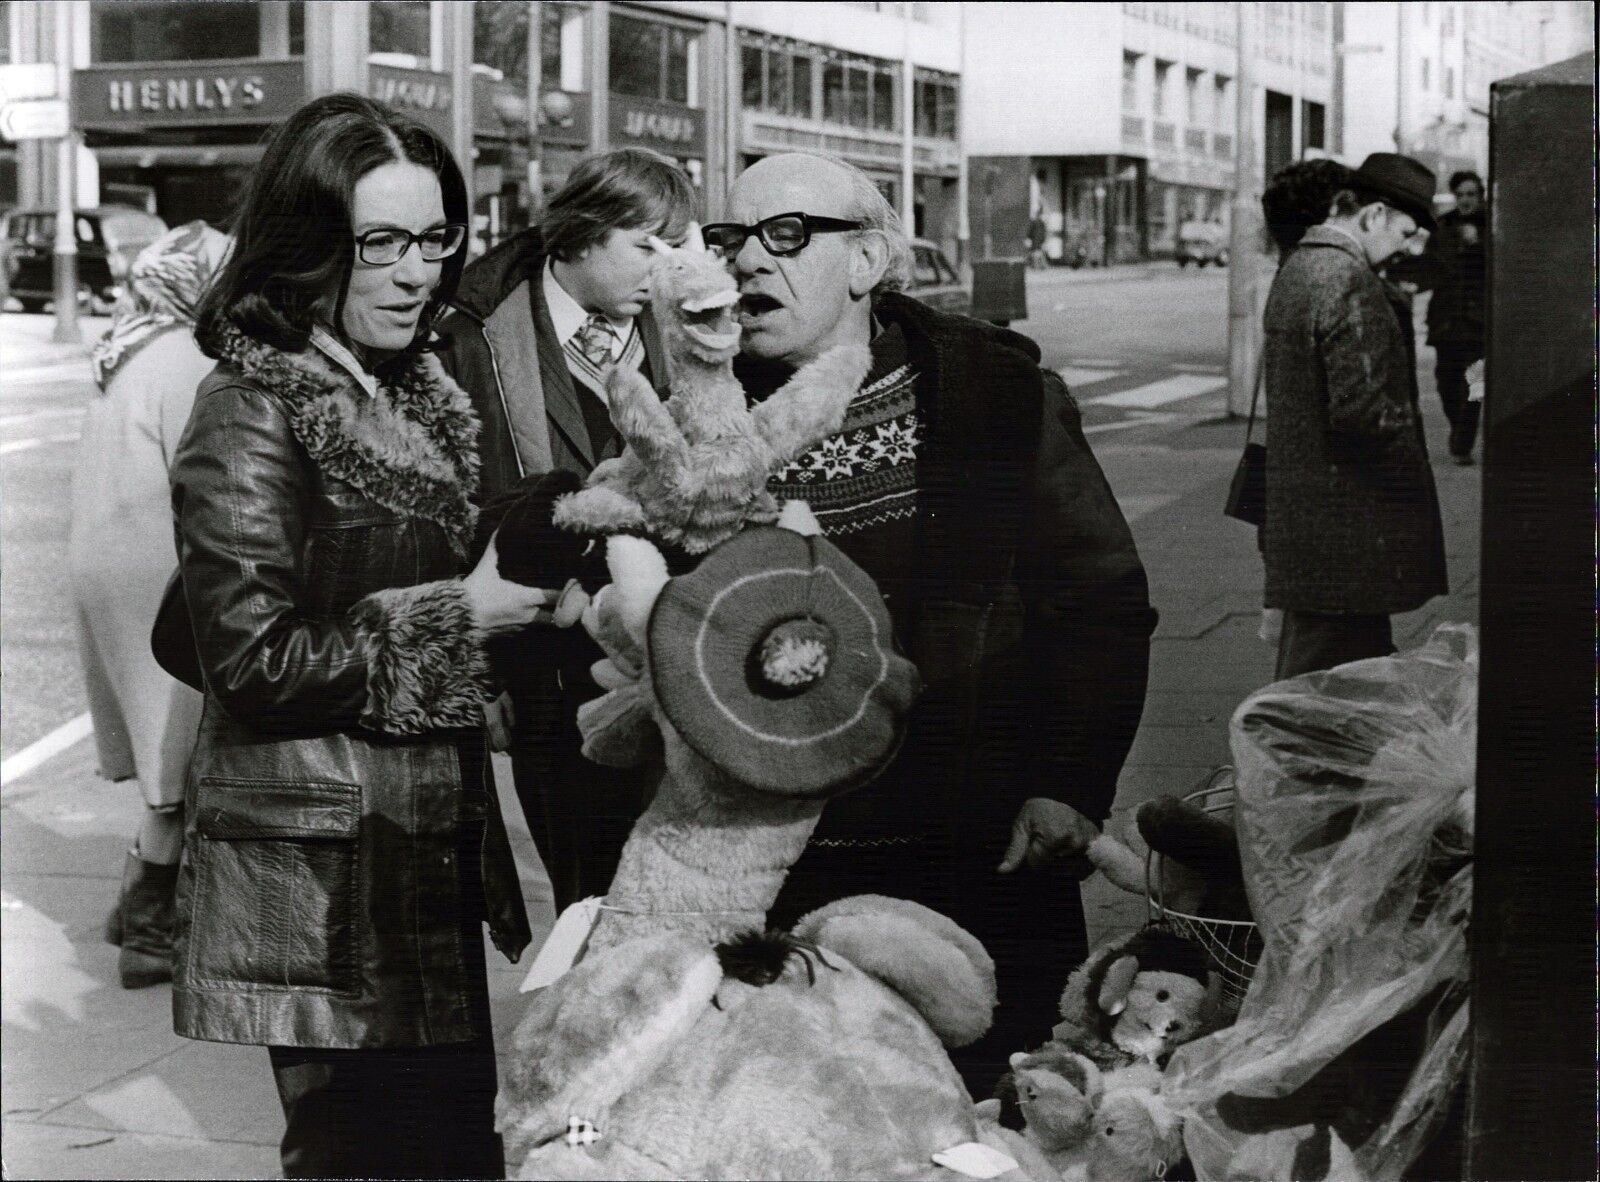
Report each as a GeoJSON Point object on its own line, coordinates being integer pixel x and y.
{"type": "Point", "coordinates": [866, 474]}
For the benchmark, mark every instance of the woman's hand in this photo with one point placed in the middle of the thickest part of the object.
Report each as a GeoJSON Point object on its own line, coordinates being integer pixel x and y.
{"type": "Point", "coordinates": [499, 605]}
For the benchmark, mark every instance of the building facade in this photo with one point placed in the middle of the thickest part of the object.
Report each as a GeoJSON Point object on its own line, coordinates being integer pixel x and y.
{"type": "Point", "coordinates": [1126, 112]}
{"type": "Point", "coordinates": [171, 99]}
{"type": "Point", "coordinates": [1415, 77]}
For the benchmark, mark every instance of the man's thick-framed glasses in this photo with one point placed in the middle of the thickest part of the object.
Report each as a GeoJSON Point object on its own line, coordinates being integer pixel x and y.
{"type": "Point", "coordinates": [386, 246]}
{"type": "Point", "coordinates": [782, 233]}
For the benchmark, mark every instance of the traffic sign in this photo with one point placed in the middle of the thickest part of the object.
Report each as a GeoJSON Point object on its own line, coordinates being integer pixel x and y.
{"type": "Point", "coordinates": [27, 80]}
{"type": "Point", "coordinates": [40, 119]}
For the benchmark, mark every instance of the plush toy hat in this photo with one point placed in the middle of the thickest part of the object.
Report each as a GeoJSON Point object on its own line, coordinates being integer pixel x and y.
{"type": "Point", "coordinates": [774, 661]}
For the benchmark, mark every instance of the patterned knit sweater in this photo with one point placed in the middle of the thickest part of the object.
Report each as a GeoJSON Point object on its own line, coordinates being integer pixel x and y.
{"type": "Point", "coordinates": [862, 481]}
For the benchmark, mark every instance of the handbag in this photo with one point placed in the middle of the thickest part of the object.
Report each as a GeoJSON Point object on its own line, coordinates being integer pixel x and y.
{"type": "Point", "coordinates": [1247, 492]}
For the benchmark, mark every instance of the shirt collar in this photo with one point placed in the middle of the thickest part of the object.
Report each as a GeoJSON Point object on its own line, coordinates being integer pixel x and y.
{"type": "Point", "coordinates": [334, 350]}
{"type": "Point", "coordinates": [568, 316]}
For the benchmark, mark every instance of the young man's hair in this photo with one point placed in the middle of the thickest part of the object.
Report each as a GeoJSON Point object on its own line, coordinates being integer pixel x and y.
{"type": "Point", "coordinates": [294, 244]}
{"type": "Point", "coordinates": [1460, 178]}
{"type": "Point", "coordinates": [629, 189]}
{"type": "Point", "coordinates": [1299, 197]}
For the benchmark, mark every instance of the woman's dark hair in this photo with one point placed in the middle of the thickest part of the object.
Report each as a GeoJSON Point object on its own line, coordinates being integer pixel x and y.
{"type": "Point", "coordinates": [1299, 197]}
{"type": "Point", "coordinates": [293, 239]}
{"type": "Point", "coordinates": [1466, 174]}
{"type": "Point", "coordinates": [629, 189]}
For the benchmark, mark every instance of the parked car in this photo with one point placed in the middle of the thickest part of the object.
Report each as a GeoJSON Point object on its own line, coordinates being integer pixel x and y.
{"type": "Point", "coordinates": [109, 238]}
{"type": "Point", "coordinates": [1201, 243]}
{"type": "Point", "coordinates": [934, 280]}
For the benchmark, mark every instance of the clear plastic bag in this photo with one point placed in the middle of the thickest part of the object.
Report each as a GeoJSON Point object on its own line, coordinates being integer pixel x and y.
{"type": "Point", "coordinates": [1355, 798]}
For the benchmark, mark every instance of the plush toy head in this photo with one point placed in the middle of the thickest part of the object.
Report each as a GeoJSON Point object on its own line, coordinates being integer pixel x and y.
{"type": "Point", "coordinates": [1141, 997]}
{"type": "Point", "coordinates": [1058, 1110]}
{"type": "Point", "coordinates": [1136, 1137]}
{"type": "Point", "coordinates": [693, 297]}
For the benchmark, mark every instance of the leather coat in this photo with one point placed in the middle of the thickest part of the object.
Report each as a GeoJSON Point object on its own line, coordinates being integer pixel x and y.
{"type": "Point", "coordinates": [322, 530]}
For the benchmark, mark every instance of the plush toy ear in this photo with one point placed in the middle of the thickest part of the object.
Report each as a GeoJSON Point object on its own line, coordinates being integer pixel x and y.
{"type": "Point", "coordinates": [638, 573]}
{"type": "Point", "coordinates": [588, 1038]}
{"type": "Point", "coordinates": [928, 959]}
{"type": "Point", "coordinates": [987, 1109]}
{"type": "Point", "coordinates": [1118, 983]}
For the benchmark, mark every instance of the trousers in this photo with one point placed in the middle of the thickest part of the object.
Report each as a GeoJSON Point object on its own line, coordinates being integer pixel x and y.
{"type": "Point", "coordinates": [1450, 374]}
{"type": "Point", "coordinates": [1312, 641]}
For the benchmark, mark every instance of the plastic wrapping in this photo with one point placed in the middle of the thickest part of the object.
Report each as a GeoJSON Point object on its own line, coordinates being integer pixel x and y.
{"type": "Point", "coordinates": [1355, 797]}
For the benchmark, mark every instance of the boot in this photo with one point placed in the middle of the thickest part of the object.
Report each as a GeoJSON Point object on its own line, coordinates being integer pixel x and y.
{"type": "Point", "coordinates": [145, 915]}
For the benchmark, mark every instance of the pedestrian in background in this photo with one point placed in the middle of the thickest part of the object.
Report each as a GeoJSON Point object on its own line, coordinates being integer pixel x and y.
{"type": "Point", "coordinates": [120, 556]}
{"type": "Point", "coordinates": [539, 324]}
{"type": "Point", "coordinates": [1454, 267]}
{"type": "Point", "coordinates": [961, 482]}
{"type": "Point", "coordinates": [1037, 235]}
{"type": "Point", "coordinates": [343, 842]}
{"type": "Point", "coordinates": [1353, 532]}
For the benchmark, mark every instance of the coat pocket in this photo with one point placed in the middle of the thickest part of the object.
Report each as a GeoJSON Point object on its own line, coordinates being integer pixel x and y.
{"type": "Point", "coordinates": [276, 886]}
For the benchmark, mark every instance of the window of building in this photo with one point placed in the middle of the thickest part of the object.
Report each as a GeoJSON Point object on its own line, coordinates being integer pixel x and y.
{"type": "Point", "coordinates": [885, 110]}
{"type": "Point", "coordinates": [400, 27]}
{"type": "Point", "coordinates": [833, 107]}
{"type": "Point", "coordinates": [500, 42]}
{"type": "Point", "coordinates": [1130, 81]}
{"type": "Point", "coordinates": [1222, 92]}
{"type": "Point", "coordinates": [752, 70]}
{"type": "Point", "coordinates": [5, 32]}
{"type": "Point", "coordinates": [1449, 82]}
{"type": "Point", "coordinates": [1160, 90]}
{"type": "Point", "coordinates": [858, 86]}
{"type": "Point", "coordinates": [934, 99]}
{"type": "Point", "coordinates": [1194, 98]}
{"type": "Point", "coordinates": [1426, 11]}
{"type": "Point", "coordinates": [653, 60]}
{"type": "Point", "coordinates": [1313, 122]}
{"type": "Point", "coordinates": [1425, 79]}
{"type": "Point", "coordinates": [800, 96]}
{"type": "Point", "coordinates": [778, 69]}
{"type": "Point", "coordinates": [161, 31]}
{"type": "Point", "coordinates": [1449, 20]}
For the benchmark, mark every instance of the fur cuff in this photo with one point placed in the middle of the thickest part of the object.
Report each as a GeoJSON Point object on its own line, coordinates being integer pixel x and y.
{"type": "Point", "coordinates": [426, 666]}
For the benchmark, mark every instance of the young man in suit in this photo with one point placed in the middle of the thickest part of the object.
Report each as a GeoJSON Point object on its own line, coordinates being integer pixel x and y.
{"type": "Point", "coordinates": [538, 324]}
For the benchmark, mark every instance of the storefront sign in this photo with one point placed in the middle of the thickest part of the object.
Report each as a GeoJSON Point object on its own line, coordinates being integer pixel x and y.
{"type": "Point", "coordinates": [131, 97]}
{"type": "Point", "coordinates": [666, 127]}
{"type": "Point", "coordinates": [422, 94]}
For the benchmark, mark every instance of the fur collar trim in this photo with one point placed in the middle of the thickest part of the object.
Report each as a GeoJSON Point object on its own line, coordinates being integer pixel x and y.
{"type": "Point", "coordinates": [412, 447]}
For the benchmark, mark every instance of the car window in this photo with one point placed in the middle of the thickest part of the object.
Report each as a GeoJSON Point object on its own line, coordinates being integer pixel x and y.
{"type": "Point", "coordinates": [85, 230]}
{"type": "Point", "coordinates": [925, 272]}
{"type": "Point", "coordinates": [41, 229]}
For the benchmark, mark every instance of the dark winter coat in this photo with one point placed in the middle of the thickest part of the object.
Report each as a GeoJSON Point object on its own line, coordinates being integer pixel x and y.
{"type": "Point", "coordinates": [1455, 269]}
{"type": "Point", "coordinates": [1029, 616]}
{"type": "Point", "coordinates": [321, 535]}
{"type": "Point", "coordinates": [1352, 514]}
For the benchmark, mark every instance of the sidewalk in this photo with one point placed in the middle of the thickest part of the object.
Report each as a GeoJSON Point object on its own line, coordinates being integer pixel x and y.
{"type": "Point", "coordinates": [27, 343]}
{"type": "Point", "coordinates": [97, 1086]}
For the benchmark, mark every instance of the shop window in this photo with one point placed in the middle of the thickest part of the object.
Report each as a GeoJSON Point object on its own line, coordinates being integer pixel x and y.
{"type": "Point", "coordinates": [161, 31]}
{"type": "Point", "coordinates": [655, 61]}
{"type": "Point", "coordinates": [400, 27]}
{"type": "Point", "coordinates": [500, 42]}
{"type": "Point", "coordinates": [801, 94]}
{"type": "Point", "coordinates": [884, 107]}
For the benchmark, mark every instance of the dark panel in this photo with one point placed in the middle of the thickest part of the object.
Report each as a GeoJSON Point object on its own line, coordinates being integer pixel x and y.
{"type": "Point", "coordinates": [1532, 1096]}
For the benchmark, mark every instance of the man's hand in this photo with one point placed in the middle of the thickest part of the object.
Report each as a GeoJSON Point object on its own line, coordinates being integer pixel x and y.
{"type": "Point", "coordinates": [498, 720]}
{"type": "Point", "coordinates": [1046, 831]}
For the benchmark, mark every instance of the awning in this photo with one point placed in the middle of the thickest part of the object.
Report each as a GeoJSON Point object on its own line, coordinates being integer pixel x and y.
{"type": "Point", "coordinates": [177, 155]}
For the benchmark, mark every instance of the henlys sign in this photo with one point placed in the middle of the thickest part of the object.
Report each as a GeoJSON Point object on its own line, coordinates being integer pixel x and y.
{"type": "Point", "coordinates": [129, 97]}
{"type": "Point", "coordinates": [666, 127]}
{"type": "Point", "coordinates": [422, 94]}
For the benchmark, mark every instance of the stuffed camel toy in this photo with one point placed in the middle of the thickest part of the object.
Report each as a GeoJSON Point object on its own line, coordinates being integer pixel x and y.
{"type": "Point", "coordinates": [695, 468]}
{"type": "Point", "coordinates": [688, 1041]}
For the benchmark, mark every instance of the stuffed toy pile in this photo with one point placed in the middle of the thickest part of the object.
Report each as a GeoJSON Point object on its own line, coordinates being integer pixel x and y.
{"type": "Point", "coordinates": [688, 1041]}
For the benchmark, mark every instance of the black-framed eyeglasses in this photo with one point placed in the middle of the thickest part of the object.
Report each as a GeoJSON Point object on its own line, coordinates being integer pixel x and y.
{"type": "Point", "coordinates": [387, 245]}
{"type": "Point", "coordinates": [782, 233]}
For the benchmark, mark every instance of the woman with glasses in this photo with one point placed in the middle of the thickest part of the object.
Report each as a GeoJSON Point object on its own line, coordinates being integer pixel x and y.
{"type": "Point", "coordinates": [343, 844]}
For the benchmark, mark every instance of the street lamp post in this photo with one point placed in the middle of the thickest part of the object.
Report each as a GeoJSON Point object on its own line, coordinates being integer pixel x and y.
{"type": "Point", "coordinates": [535, 95]}
{"type": "Point", "coordinates": [1243, 331]}
{"type": "Point", "coordinates": [67, 331]}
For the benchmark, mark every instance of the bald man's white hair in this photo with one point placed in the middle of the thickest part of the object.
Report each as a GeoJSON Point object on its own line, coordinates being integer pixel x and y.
{"type": "Point", "coordinates": [869, 206]}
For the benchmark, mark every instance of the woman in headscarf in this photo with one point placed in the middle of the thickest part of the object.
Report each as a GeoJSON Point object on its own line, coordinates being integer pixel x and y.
{"type": "Point", "coordinates": [121, 553]}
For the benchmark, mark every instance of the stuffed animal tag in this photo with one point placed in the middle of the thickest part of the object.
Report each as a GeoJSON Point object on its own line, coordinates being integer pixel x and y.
{"type": "Point", "coordinates": [563, 945]}
{"type": "Point", "coordinates": [974, 1160]}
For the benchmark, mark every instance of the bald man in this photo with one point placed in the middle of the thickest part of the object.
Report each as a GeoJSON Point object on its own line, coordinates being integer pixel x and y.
{"type": "Point", "coordinates": [961, 481]}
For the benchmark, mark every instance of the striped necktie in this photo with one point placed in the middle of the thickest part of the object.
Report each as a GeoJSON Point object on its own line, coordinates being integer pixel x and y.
{"type": "Point", "coordinates": [595, 341]}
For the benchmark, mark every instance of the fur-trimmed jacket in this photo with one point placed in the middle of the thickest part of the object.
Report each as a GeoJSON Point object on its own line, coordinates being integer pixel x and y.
{"type": "Point", "coordinates": [321, 532]}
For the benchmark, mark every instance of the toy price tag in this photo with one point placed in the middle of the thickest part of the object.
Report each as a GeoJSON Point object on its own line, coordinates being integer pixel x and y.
{"type": "Point", "coordinates": [975, 1160]}
{"type": "Point", "coordinates": [563, 945]}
